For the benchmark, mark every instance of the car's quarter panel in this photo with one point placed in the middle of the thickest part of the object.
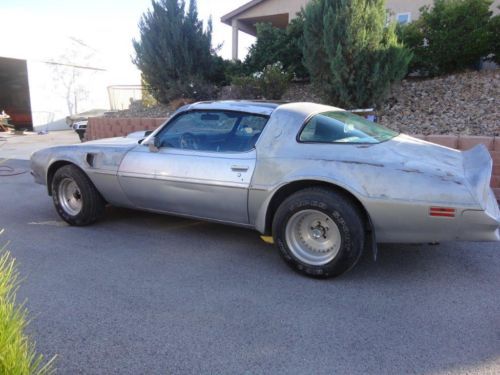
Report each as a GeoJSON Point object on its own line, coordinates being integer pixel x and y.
{"type": "Point", "coordinates": [212, 185]}
{"type": "Point", "coordinates": [397, 181]}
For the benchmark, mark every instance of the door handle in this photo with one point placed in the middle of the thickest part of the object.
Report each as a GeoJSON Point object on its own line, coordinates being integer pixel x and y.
{"type": "Point", "coordinates": [239, 168]}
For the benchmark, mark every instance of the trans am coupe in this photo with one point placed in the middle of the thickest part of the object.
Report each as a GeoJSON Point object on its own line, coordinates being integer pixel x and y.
{"type": "Point", "coordinates": [323, 182]}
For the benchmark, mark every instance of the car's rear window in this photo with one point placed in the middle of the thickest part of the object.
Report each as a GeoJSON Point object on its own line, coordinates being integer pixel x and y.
{"type": "Point", "coordinates": [343, 127]}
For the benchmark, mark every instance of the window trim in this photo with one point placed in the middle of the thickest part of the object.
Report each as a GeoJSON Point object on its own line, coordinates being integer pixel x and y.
{"type": "Point", "coordinates": [403, 14]}
{"type": "Point", "coordinates": [173, 118]}
{"type": "Point", "coordinates": [309, 118]}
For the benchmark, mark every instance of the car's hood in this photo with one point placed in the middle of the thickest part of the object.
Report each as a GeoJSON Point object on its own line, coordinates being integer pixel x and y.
{"type": "Point", "coordinates": [110, 142]}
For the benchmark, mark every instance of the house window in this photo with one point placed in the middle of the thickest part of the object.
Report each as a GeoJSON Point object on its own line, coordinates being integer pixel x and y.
{"type": "Point", "coordinates": [403, 18]}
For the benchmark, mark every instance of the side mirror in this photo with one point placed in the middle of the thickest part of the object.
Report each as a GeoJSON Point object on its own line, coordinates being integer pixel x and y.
{"type": "Point", "coordinates": [153, 145]}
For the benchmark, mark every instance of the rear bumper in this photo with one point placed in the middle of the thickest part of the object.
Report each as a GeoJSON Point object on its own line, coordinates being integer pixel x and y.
{"type": "Point", "coordinates": [481, 225]}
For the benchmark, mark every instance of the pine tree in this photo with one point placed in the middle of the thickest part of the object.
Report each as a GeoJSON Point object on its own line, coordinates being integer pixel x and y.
{"type": "Point", "coordinates": [174, 52]}
{"type": "Point", "coordinates": [350, 52]}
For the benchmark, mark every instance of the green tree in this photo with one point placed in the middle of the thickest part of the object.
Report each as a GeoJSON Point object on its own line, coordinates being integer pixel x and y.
{"type": "Point", "coordinates": [450, 36]}
{"type": "Point", "coordinates": [275, 45]}
{"type": "Point", "coordinates": [174, 52]}
{"type": "Point", "coordinates": [353, 56]}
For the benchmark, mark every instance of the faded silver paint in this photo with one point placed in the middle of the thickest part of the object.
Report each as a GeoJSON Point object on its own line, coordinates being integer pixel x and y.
{"type": "Point", "coordinates": [395, 181]}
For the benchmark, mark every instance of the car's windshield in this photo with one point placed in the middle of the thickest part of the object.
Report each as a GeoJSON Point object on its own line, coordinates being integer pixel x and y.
{"type": "Point", "coordinates": [344, 127]}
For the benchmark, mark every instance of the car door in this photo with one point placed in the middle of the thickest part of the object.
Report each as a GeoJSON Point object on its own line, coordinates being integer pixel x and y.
{"type": "Point", "coordinates": [202, 167]}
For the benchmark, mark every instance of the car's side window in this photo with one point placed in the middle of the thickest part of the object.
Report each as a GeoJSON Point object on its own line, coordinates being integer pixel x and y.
{"type": "Point", "coordinates": [343, 127]}
{"type": "Point", "coordinates": [216, 131]}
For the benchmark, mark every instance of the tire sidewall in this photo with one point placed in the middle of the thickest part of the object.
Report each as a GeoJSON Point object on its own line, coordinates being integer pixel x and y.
{"type": "Point", "coordinates": [345, 217]}
{"type": "Point", "coordinates": [85, 188]}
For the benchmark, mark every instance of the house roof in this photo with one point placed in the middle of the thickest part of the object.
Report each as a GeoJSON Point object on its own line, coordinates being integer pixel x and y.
{"type": "Point", "coordinates": [227, 18]}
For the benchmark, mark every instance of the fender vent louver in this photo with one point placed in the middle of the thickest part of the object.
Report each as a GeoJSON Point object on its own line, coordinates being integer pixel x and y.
{"type": "Point", "coordinates": [90, 159]}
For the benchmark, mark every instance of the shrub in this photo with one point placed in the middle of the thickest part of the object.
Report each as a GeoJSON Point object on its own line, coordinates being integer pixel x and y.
{"type": "Point", "coordinates": [174, 52]}
{"type": "Point", "coordinates": [17, 351]}
{"type": "Point", "coordinates": [494, 29]}
{"type": "Point", "coordinates": [411, 36]}
{"type": "Point", "coordinates": [350, 52]}
{"type": "Point", "coordinates": [450, 36]}
{"type": "Point", "coordinates": [147, 100]}
{"type": "Point", "coordinates": [228, 69]}
{"type": "Point", "coordinates": [235, 69]}
{"type": "Point", "coordinates": [278, 45]}
{"type": "Point", "coordinates": [270, 84]}
{"type": "Point", "coordinates": [274, 81]}
{"type": "Point", "coordinates": [246, 87]}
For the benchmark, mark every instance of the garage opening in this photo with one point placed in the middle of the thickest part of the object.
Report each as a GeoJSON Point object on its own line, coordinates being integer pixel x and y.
{"type": "Point", "coordinates": [15, 93]}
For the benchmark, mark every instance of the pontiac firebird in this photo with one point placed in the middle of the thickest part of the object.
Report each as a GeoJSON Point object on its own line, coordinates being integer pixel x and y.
{"type": "Point", "coordinates": [323, 182]}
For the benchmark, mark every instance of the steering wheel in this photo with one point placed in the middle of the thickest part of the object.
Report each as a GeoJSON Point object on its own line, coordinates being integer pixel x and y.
{"type": "Point", "coordinates": [188, 141]}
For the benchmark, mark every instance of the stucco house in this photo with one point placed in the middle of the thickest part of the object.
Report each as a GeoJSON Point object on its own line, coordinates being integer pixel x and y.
{"type": "Point", "coordinates": [281, 12]}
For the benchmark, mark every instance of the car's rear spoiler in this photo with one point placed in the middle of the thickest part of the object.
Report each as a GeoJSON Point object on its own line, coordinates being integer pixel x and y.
{"type": "Point", "coordinates": [478, 167]}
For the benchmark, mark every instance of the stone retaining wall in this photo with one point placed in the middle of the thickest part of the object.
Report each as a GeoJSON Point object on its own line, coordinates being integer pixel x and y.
{"type": "Point", "coordinates": [106, 127]}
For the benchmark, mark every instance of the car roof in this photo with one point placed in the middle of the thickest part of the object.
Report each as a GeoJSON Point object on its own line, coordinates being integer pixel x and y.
{"type": "Point", "coordinates": [256, 107]}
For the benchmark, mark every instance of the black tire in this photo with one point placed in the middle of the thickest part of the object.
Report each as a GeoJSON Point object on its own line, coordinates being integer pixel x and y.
{"type": "Point", "coordinates": [339, 208]}
{"type": "Point", "coordinates": [92, 203]}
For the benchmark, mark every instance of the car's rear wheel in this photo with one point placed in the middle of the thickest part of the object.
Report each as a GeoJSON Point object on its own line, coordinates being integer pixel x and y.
{"type": "Point", "coordinates": [319, 232]}
{"type": "Point", "coordinates": [76, 199]}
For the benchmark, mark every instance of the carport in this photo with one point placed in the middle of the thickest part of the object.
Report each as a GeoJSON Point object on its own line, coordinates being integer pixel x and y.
{"type": "Point", "coordinates": [15, 92]}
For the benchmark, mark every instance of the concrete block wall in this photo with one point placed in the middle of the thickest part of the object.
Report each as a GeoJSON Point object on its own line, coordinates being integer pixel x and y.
{"type": "Point", "coordinates": [466, 142]}
{"type": "Point", "coordinates": [106, 127]}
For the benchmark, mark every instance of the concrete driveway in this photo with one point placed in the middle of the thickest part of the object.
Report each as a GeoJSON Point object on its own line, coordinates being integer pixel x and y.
{"type": "Point", "coordinates": [22, 146]}
{"type": "Point", "coordinates": [147, 294]}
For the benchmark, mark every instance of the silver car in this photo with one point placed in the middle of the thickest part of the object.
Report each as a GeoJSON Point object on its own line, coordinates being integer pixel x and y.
{"type": "Point", "coordinates": [324, 183]}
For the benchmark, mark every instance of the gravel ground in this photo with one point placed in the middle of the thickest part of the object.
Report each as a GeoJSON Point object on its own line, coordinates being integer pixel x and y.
{"type": "Point", "coordinates": [467, 104]}
{"type": "Point", "coordinates": [140, 293]}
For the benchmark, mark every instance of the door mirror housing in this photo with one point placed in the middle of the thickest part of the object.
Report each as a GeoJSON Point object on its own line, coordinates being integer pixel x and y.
{"type": "Point", "coordinates": [153, 145]}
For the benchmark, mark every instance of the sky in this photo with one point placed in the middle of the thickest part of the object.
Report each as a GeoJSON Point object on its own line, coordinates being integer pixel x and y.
{"type": "Point", "coordinates": [41, 30]}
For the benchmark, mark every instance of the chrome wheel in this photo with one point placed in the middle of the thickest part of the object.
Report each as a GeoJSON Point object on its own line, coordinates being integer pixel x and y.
{"type": "Point", "coordinates": [313, 237]}
{"type": "Point", "coordinates": [70, 196]}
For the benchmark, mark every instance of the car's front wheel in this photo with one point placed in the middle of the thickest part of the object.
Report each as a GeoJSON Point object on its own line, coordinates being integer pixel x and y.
{"type": "Point", "coordinates": [319, 232]}
{"type": "Point", "coordinates": [76, 199]}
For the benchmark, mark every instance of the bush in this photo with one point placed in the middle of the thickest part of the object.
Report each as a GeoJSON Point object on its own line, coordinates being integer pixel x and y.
{"type": "Point", "coordinates": [494, 29]}
{"type": "Point", "coordinates": [147, 100]}
{"type": "Point", "coordinates": [274, 81]}
{"type": "Point", "coordinates": [350, 52]}
{"type": "Point", "coordinates": [227, 70]}
{"type": "Point", "coordinates": [246, 87]}
{"type": "Point", "coordinates": [270, 84]}
{"type": "Point", "coordinates": [174, 52]}
{"type": "Point", "coordinates": [449, 37]}
{"type": "Point", "coordinates": [278, 45]}
{"type": "Point", "coordinates": [17, 351]}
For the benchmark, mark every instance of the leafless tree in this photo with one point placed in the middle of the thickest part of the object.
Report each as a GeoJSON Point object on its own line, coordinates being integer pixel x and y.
{"type": "Point", "coordinates": [73, 71]}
